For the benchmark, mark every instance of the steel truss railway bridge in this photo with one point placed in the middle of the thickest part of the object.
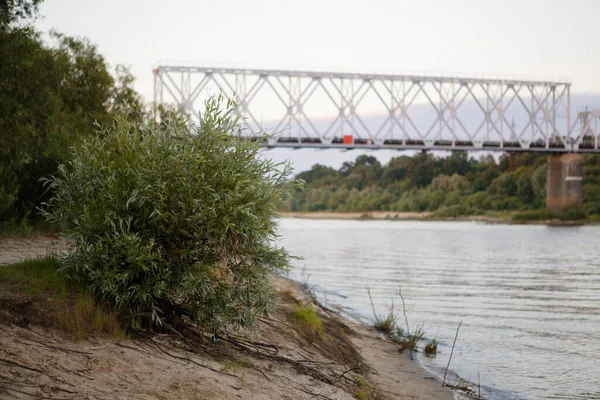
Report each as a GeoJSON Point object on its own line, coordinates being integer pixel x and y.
{"type": "Point", "coordinates": [310, 109]}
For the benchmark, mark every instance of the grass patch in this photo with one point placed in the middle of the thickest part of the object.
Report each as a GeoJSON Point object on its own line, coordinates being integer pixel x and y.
{"type": "Point", "coordinates": [364, 391]}
{"type": "Point", "coordinates": [361, 395]}
{"type": "Point", "coordinates": [409, 341]}
{"type": "Point", "coordinates": [288, 297]}
{"type": "Point", "coordinates": [431, 347]}
{"type": "Point", "coordinates": [385, 324]}
{"type": "Point", "coordinates": [36, 278]}
{"type": "Point", "coordinates": [308, 319]}
{"type": "Point", "coordinates": [325, 333]}
{"type": "Point", "coordinates": [47, 298]}
{"type": "Point", "coordinates": [360, 381]}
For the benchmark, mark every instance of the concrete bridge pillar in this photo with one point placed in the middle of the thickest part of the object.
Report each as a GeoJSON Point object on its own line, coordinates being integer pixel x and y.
{"type": "Point", "coordinates": [564, 181]}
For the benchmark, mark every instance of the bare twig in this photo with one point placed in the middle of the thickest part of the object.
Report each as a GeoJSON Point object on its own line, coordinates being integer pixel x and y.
{"type": "Point", "coordinates": [190, 360]}
{"type": "Point", "coordinates": [41, 344]}
{"type": "Point", "coordinates": [37, 396]}
{"type": "Point", "coordinates": [176, 332]}
{"type": "Point", "coordinates": [305, 278]}
{"type": "Point", "coordinates": [147, 353]}
{"type": "Point", "coordinates": [309, 361]}
{"type": "Point", "coordinates": [350, 370]}
{"type": "Point", "coordinates": [271, 319]}
{"type": "Point", "coordinates": [63, 390]}
{"type": "Point", "coordinates": [323, 307]}
{"type": "Point", "coordinates": [451, 351]}
{"type": "Point", "coordinates": [262, 372]}
{"type": "Point", "coordinates": [405, 317]}
{"type": "Point", "coordinates": [298, 365]}
{"type": "Point", "coordinates": [314, 394]}
{"type": "Point", "coordinates": [270, 322]}
{"type": "Point", "coordinates": [248, 344]}
{"type": "Point", "coordinates": [16, 364]}
{"type": "Point", "coordinates": [372, 304]}
{"type": "Point", "coordinates": [286, 333]}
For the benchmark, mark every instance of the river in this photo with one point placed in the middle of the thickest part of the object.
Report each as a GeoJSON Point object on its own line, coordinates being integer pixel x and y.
{"type": "Point", "coordinates": [528, 295]}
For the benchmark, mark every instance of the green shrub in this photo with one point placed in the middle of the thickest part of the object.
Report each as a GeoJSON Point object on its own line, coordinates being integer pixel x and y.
{"type": "Point", "coordinates": [174, 220]}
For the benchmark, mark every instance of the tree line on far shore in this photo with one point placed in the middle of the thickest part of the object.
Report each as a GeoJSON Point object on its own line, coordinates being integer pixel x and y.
{"type": "Point", "coordinates": [451, 186]}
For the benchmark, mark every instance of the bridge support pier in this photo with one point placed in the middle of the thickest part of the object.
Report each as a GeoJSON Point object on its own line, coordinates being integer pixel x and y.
{"type": "Point", "coordinates": [564, 181]}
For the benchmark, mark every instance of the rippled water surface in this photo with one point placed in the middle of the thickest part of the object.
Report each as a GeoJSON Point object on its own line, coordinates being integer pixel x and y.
{"type": "Point", "coordinates": [528, 296]}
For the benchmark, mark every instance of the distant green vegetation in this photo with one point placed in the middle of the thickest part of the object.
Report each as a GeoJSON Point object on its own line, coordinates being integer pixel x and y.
{"type": "Point", "coordinates": [449, 187]}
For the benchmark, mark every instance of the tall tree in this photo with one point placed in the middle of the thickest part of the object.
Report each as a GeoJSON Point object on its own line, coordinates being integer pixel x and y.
{"type": "Point", "coordinates": [16, 10]}
{"type": "Point", "coordinates": [49, 98]}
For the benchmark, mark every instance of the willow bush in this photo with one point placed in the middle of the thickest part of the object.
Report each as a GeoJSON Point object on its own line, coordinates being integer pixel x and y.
{"type": "Point", "coordinates": [174, 220]}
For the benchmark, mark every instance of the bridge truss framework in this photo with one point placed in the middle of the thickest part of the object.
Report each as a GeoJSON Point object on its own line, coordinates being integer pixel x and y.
{"type": "Point", "coordinates": [411, 111]}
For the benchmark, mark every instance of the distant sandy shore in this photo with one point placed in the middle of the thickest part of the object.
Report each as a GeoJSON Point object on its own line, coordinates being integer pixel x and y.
{"type": "Point", "coordinates": [388, 215]}
{"type": "Point", "coordinates": [358, 215]}
{"type": "Point", "coordinates": [420, 216]}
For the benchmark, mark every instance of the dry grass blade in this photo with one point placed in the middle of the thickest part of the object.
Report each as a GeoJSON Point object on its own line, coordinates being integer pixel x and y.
{"type": "Point", "coordinates": [451, 352]}
{"type": "Point", "coordinates": [410, 348]}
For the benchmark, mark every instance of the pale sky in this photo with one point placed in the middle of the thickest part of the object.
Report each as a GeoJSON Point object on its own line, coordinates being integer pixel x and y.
{"type": "Point", "coordinates": [550, 38]}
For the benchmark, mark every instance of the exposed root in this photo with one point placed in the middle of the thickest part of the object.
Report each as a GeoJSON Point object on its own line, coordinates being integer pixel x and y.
{"type": "Point", "coordinates": [151, 340]}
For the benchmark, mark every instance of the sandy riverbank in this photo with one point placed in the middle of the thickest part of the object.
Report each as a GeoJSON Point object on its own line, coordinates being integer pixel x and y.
{"type": "Point", "coordinates": [391, 215]}
{"type": "Point", "coordinates": [37, 361]}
